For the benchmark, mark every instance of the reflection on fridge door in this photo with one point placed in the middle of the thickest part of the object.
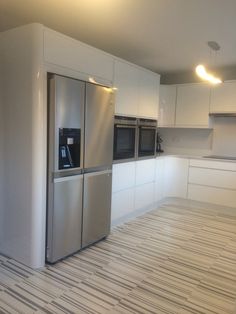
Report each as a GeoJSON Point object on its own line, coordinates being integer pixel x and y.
{"type": "Point", "coordinates": [80, 125]}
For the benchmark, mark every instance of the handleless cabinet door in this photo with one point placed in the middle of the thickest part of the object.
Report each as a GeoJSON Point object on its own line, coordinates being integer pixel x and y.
{"type": "Point", "coordinates": [65, 215]}
{"type": "Point", "coordinates": [99, 125]}
{"type": "Point", "coordinates": [192, 106]}
{"type": "Point", "coordinates": [97, 206]}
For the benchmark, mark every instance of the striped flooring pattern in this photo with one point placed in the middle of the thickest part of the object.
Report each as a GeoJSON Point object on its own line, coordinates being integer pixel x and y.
{"type": "Point", "coordinates": [177, 259]}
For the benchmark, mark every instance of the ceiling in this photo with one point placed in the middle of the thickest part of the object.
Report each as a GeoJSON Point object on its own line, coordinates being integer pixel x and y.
{"type": "Point", "coordinates": [165, 36]}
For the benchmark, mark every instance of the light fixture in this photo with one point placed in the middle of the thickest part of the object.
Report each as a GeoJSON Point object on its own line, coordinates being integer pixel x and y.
{"type": "Point", "coordinates": [201, 70]}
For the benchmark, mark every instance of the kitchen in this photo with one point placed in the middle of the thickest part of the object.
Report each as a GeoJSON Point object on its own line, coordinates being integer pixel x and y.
{"type": "Point", "coordinates": [138, 185]}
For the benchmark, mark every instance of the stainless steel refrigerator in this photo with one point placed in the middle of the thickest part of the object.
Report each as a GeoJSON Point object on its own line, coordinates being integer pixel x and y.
{"type": "Point", "coordinates": [80, 147]}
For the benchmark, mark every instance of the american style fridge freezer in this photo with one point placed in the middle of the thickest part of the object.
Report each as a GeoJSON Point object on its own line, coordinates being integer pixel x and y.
{"type": "Point", "coordinates": [80, 147]}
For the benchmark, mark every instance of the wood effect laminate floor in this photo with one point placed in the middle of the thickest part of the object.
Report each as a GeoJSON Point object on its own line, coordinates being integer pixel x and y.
{"type": "Point", "coordinates": [179, 258]}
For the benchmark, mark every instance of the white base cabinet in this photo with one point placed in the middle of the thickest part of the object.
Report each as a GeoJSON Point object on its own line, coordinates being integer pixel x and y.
{"type": "Point", "coordinates": [138, 186]}
{"type": "Point", "coordinates": [213, 182]}
{"type": "Point", "coordinates": [176, 177]}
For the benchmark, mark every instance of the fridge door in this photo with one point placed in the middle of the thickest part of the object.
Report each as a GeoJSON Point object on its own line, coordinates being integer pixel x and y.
{"type": "Point", "coordinates": [99, 124]}
{"type": "Point", "coordinates": [97, 206]}
{"type": "Point", "coordinates": [66, 122]}
{"type": "Point", "coordinates": [65, 217]}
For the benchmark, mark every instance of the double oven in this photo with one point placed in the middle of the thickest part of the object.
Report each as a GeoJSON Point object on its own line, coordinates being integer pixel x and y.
{"type": "Point", "coordinates": [134, 138]}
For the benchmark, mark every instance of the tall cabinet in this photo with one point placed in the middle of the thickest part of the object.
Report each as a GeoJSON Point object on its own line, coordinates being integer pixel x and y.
{"type": "Point", "coordinates": [41, 51]}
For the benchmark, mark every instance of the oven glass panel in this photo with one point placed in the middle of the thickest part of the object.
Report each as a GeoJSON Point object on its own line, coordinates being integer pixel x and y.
{"type": "Point", "coordinates": [146, 142]}
{"type": "Point", "coordinates": [124, 143]}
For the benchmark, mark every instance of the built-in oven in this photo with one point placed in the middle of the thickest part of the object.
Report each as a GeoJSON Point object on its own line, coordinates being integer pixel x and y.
{"type": "Point", "coordinates": [125, 134]}
{"type": "Point", "coordinates": [147, 138]}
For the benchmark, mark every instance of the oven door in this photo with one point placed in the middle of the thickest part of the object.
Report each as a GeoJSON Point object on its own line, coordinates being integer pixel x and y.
{"type": "Point", "coordinates": [124, 142]}
{"type": "Point", "coordinates": [147, 141]}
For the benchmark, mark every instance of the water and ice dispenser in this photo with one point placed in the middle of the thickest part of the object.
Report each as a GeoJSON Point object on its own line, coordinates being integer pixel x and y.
{"type": "Point", "coordinates": [69, 148]}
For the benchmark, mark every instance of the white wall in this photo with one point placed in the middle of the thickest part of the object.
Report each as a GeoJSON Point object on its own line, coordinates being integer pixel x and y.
{"type": "Point", "coordinates": [224, 136]}
{"type": "Point", "coordinates": [187, 141]}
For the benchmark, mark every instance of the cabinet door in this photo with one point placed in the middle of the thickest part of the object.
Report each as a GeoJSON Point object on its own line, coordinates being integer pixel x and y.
{"type": "Point", "coordinates": [122, 205]}
{"type": "Point", "coordinates": [148, 94]}
{"type": "Point", "coordinates": [123, 176]}
{"type": "Point", "coordinates": [167, 101]}
{"type": "Point", "coordinates": [175, 177]}
{"type": "Point", "coordinates": [144, 196]}
{"type": "Point", "coordinates": [145, 171]}
{"type": "Point", "coordinates": [77, 56]}
{"type": "Point", "coordinates": [159, 179]}
{"type": "Point", "coordinates": [126, 80]}
{"type": "Point", "coordinates": [223, 98]}
{"type": "Point", "coordinates": [192, 107]}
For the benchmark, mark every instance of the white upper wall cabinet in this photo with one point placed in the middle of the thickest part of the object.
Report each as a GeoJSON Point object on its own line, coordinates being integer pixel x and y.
{"type": "Point", "coordinates": [126, 80]}
{"type": "Point", "coordinates": [148, 94]}
{"type": "Point", "coordinates": [223, 98]}
{"type": "Point", "coordinates": [192, 107]}
{"type": "Point", "coordinates": [67, 52]}
{"type": "Point", "coordinates": [137, 90]}
{"type": "Point", "coordinates": [167, 101]}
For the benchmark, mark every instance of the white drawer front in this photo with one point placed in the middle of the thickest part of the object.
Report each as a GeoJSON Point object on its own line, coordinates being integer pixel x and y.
{"type": "Point", "coordinates": [212, 195]}
{"type": "Point", "coordinates": [213, 177]}
{"type": "Point", "coordinates": [212, 164]}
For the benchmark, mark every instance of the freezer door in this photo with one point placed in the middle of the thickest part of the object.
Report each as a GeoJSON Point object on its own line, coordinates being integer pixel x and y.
{"type": "Point", "coordinates": [99, 124]}
{"type": "Point", "coordinates": [97, 206]}
{"type": "Point", "coordinates": [65, 217]}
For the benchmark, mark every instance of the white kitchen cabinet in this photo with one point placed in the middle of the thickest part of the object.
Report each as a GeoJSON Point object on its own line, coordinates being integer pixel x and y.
{"type": "Point", "coordinates": [212, 164]}
{"type": "Point", "coordinates": [137, 90]}
{"type": "Point", "coordinates": [167, 101]}
{"type": "Point", "coordinates": [123, 176]}
{"type": "Point", "coordinates": [212, 181]}
{"type": "Point", "coordinates": [175, 177]}
{"type": "Point", "coordinates": [213, 177]}
{"type": "Point", "coordinates": [148, 94]}
{"type": "Point", "coordinates": [223, 98]}
{"type": "Point", "coordinates": [192, 106]}
{"type": "Point", "coordinates": [145, 171]}
{"type": "Point", "coordinates": [67, 52]}
{"type": "Point", "coordinates": [126, 80]}
{"type": "Point", "coordinates": [213, 195]}
{"type": "Point", "coordinates": [144, 196]}
{"type": "Point", "coordinates": [122, 204]}
{"type": "Point", "coordinates": [159, 179]}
